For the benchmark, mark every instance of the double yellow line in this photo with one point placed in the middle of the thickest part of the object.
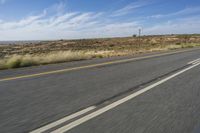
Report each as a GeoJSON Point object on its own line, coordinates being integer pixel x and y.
{"type": "Point", "coordinates": [89, 66]}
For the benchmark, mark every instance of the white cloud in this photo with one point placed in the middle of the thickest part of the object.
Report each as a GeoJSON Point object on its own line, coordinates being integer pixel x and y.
{"type": "Point", "coordinates": [68, 25]}
{"type": "Point", "coordinates": [129, 8]}
{"type": "Point", "coordinates": [186, 11]}
{"type": "Point", "coordinates": [20, 24]}
{"type": "Point", "coordinates": [58, 8]}
{"type": "Point", "coordinates": [187, 25]}
{"type": "Point", "coordinates": [55, 23]}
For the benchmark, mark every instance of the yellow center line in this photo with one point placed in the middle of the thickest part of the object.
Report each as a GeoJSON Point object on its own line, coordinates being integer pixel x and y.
{"type": "Point", "coordinates": [88, 66]}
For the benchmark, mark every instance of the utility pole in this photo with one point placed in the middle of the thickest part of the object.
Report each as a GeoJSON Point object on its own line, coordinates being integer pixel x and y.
{"type": "Point", "coordinates": [139, 35]}
{"type": "Point", "coordinates": [140, 30]}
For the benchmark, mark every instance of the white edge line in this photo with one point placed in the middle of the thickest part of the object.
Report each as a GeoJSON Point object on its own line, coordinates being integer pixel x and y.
{"type": "Point", "coordinates": [65, 119]}
{"type": "Point", "coordinates": [194, 61]}
{"type": "Point", "coordinates": [117, 103]}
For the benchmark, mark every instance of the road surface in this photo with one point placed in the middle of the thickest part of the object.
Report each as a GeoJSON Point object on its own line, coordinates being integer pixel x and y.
{"type": "Point", "coordinates": [152, 93]}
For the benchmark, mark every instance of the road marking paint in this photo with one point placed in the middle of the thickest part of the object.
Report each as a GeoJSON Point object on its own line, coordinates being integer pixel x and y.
{"type": "Point", "coordinates": [194, 61]}
{"type": "Point", "coordinates": [91, 66]}
{"type": "Point", "coordinates": [117, 103]}
{"type": "Point", "coordinates": [65, 119]}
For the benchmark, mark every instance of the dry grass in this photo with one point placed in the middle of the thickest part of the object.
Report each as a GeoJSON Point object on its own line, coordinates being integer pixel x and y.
{"type": "Point", "coordinates": [16, 61]}
{"type": "Point", "coordinates": [178, 46]}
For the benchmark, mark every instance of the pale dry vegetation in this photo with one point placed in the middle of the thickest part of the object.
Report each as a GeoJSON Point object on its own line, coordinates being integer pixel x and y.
{"type": "Point", "coordinates": [16, 61]}
{"type": "Point", "coordinates": [15, 56]}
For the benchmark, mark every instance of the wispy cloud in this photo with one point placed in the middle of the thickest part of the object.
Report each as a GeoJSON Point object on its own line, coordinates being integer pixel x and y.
{"type": "Point", "coordinates": [57, 23]}
{"type": "Point", "coordinates": [129, 8]}
{"type": "Point", "coordinates": [179, 26]}
{"type": "Point", "coordinates": [57, 8]}
{"type": "Point", "coordinates": [186, 11]}
{"type": "Point", "coordinates": [67, 25]}
{"type": "Point", "coordinates": [21, 23]}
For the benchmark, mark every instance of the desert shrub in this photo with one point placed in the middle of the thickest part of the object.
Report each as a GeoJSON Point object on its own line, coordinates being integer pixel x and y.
{"type": "Point", "coordinates": [13, 62]}
{"type": "Point", "coordinates": [178, 43]}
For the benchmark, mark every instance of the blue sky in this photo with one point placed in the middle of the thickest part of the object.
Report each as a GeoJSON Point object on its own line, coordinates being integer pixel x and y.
{"type": "Point", "coordinates": [72, 19]}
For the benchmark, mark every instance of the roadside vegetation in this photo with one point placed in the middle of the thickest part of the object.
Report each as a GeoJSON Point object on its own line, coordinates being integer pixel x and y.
{"type": "Point", "coordinates": [24, 55]}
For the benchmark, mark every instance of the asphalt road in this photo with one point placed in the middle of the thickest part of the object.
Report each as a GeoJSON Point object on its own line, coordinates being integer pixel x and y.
{"type": "Point", "coordinates": [164, 91]}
